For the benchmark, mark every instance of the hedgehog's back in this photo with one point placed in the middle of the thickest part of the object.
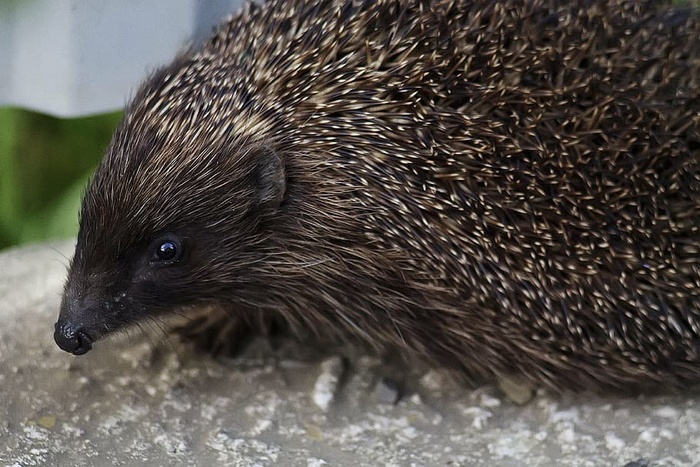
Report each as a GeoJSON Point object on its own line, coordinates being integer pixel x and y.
{"type": "Point", "coordinates": [538, 158]}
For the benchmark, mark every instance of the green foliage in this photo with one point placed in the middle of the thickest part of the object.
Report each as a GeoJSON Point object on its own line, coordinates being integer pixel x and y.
{"type": "Point", "coordinates": [45, 163]}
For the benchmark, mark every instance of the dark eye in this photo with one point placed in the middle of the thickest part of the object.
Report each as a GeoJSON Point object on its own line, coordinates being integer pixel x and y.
{"type": "Point", "coordinates": [166, 250]}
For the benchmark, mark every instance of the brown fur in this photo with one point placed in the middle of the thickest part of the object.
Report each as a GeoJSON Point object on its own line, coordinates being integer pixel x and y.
{"type": "Point", "coordinates": [502, 186]}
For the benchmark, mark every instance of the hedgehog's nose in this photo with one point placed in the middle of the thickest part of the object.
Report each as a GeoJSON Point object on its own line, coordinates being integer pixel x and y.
{"type": "Point", "coordinates": [72, 338]}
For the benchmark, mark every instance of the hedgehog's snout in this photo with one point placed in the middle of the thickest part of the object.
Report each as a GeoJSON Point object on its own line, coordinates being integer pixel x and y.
{"type": "Point", "coordinates": [72, 338]}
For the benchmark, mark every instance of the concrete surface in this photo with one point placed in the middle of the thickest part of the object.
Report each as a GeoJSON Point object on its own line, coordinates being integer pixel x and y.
{"type": "Point", "coordinates": [149, 400]}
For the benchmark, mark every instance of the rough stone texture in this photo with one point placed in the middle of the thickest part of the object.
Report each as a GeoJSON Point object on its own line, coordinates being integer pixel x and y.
{"type": "Point", "coordinates": [148, 400]}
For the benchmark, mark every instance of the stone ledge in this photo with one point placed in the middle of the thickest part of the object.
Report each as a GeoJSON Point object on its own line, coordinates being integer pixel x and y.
{"type": "Point", "coordinates": [141, 401]}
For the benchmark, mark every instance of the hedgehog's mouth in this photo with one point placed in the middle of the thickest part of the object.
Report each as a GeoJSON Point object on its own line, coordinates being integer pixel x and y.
{"type": "Point", "coordinates": [71, 338]}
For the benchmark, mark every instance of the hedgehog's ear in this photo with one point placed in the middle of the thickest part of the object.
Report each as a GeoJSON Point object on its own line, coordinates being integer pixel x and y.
{"type": "Point", "coordinates": [269, 178]}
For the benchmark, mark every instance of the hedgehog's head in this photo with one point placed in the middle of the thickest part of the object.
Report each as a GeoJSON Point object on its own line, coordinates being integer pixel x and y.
{"type": "Point", "coordinates": [178, 209]}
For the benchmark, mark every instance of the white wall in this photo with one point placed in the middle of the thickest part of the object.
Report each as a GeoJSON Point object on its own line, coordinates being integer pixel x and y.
{"type": "Point", "coordinates": [80, 57]}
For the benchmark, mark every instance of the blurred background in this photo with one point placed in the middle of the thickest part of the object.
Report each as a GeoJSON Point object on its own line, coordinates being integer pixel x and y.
{"type": "Point", "coordinates": [45, 163]}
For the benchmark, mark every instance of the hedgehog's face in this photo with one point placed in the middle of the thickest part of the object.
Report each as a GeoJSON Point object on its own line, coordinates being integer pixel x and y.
{"type": "Point", "coordinates": [107, 289]}
{"type": "Point", "coordinates": [155, 237]}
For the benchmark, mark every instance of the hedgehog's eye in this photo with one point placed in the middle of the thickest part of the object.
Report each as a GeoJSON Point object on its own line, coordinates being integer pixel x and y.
{"type": "Point", "coordinates": [166, 250]}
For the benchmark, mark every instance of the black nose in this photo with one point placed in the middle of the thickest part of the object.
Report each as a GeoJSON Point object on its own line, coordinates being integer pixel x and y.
{"type": "Point", "coordinates": [72, 338]}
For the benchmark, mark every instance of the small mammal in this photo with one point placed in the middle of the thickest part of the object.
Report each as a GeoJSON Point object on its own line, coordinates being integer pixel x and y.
{"type": "Point", "coordinates": [499, 187]}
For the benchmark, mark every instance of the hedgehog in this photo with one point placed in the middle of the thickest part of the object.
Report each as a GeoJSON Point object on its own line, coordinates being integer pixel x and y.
{"type": "Point", "coordinates": [500, 188]}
